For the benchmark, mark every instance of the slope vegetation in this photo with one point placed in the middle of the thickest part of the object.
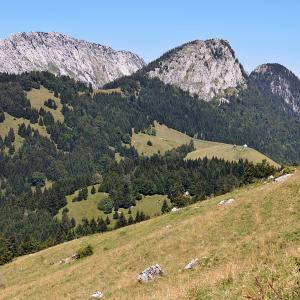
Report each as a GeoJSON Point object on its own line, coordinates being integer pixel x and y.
{"type": "Point", "coordinates": [150, 205]}
{"type": "Point", "coordinates": [247, 249]}
{"type": "Point", "coordinates": [14, 123]}
{"type": "Point", "coordinates": [37, 97]}
{"type": "Point", "coordinates": [167, 138]}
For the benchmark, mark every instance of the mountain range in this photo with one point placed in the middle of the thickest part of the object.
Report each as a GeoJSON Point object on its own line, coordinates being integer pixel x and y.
{"type": "Point", "coordinates": [89, 134]}
{"type": "Point", "coordinates": [208, 69]}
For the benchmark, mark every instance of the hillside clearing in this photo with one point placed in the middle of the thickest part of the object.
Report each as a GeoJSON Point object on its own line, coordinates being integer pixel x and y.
{"type": "Point", "coordinates": [242, 248]}
{"type": "Point", "coordinates": [14, 123]}
{"type": "Point", "coordinates": [37, 98]}
{"type": "Point", "coordinates": [150, 205]}
{"type": "Point", "coordinates": [167, 138]}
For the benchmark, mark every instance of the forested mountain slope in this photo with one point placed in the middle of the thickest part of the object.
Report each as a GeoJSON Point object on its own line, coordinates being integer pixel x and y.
{"type": "Point", "coordinates": [57, 156]}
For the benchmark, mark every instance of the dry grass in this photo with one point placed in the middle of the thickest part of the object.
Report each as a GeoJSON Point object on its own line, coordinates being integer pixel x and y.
{"type": "Point", "coordinates": [37, 98]}
{"type": "Point", "coordinates": [255, 237]}
{"type": "Point", "coordinates": [167, 139]}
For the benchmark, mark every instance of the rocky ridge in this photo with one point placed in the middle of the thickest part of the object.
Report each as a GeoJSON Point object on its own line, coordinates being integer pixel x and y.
{"type": "Point", "coordinates": [64, 55]}
{"type": "Point", "coordinates": [205, 68]}
{"type": "Point", "coordinates": [281, 84]}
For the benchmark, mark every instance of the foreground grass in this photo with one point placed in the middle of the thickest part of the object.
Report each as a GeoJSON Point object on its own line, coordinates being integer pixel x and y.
{"type": "Point", "coordinates": [255, 239]}
{"type": "Point", "coordinates": [150, 205]}
{"type": "Point", "coordinates": [167, 139]}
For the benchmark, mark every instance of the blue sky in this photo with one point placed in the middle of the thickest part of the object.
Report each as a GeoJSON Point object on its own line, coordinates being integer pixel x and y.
{"type": "Point", "coordinates": [259, 31]}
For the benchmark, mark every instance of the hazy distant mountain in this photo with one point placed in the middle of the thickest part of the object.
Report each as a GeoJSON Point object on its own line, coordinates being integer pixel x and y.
{"type": "Point", "coordinates": [64, 55]}
{"type": "Point", "coordinates": [206, 68]}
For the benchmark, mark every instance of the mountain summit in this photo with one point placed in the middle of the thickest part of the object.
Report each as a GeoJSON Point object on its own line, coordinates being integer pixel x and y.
{"type": "Point", "coordinates": [64, 55]}
{"type": "Point", "coordinates": [205, 68]}
{"type": "Point", "coordinates": [281, 84]}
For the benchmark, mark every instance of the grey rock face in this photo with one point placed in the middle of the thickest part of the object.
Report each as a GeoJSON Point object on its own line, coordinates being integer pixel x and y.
{"type": "Point", "coordinates": [205, 68]}
{"type": "Point", "coordinates": [64, 55]}
{"type": "Point", "coordinates": [280, 83]}
{"type": "Point", "coordinates": [150, 273]}
{"type": "Point", "coordinates": [191, 265]}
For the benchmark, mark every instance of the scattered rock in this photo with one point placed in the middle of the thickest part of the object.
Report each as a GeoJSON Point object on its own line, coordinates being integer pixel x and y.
{"type": "Point", "coordinates": [97, 295]}
{"type": "Point", "coordinates": [191, 264]}
{"type": "Point", "coordinates": [282, 178]}
{"type": "Point", "coordinates": [150, 273]}
{"type": "Point", "coordinates": [226, 202]}
{"type": "Point", "coordinates": [69, 259]}
{"type": "Point", "coordinates": [174, 209]}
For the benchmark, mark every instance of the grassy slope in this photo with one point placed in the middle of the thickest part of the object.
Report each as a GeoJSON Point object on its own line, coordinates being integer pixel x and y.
{"type": "Point", "coordinates": [107, 91]}
{"type": "Point", "coordinates": [150, 205]}
{"type": "Point", "coordinates": [256, 236]}
{"type": "Point", "coordinates": [167, 138]}
{"type": "Point", "coordinates": [14, 123]}
{"type": "Point", "coordinates": [37, 98]}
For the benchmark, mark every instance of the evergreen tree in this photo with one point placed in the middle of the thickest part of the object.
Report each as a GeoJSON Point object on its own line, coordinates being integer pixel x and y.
{"type": "Point", "coordinates": [107, 220]}
{"type": "Point", "coordinates": [137, 217]}
{"type": "Point", "coordinates": [9, 138]}
{"type": "Point", "coordinates": [130, 220]}
{"type": "Point", "coordinates": [165, 207]}
{"type": "Point", "coordinates": [22, 131]}
{"type": "Point", "coordinates": [121, 221]}
{"type": "Point", "coordinates": [6, 254]}
{"type": "Point", "coordinates": [2, 116]}
{"type": "Point", "coordinates": [93, 190]}
{"type": "Point", "coordinates": [102, 226]}
{"type": "Point", "coordinates": [11, 150]}
{"type": "Point", "coordinates": [85, 193]}
{"type": "Point", "coordinates": [115, 215]}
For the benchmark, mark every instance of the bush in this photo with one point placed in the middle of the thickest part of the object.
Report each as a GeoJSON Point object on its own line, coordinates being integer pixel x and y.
{"type": "Point", "coordinates": [149, 143]}
{"type": "Point", "coordinates": [85, 251]}
{"type": "Point", "coordinates": [106, 205]}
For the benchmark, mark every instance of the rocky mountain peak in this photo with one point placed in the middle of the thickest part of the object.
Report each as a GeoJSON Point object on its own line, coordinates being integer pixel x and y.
{"type": "Point", "coordinates": [64, 55]}
{"type": "Point", "coordinates": [205, 68]}
{"type": "Point", "coordinates": [280, 83]}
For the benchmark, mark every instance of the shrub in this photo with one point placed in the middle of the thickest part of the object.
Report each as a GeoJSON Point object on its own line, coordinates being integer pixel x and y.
{"type": "Point", "coordinates": [85, 251]}
{"type": "Point", "coordinates": [149, 143]}
{"type": "Point", "coordinates": [106, 205]}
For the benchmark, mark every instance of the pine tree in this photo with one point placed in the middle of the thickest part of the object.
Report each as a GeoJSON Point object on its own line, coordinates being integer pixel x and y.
{"type": "Point", "coordinates": [107, 220]}
{"type": "Point", "coordinates": [115, 215]}
{"type": "Point", "coordinates": [85, 193]}
{"type": "Point", "coordinates": [9, 138]}
{"type": "Point", "coordinates": [22, 131]}
{"type": "Point", "coordinates": [121, 221]}
{"type": "Point", "coordinates": [93, 225]}
{"type": "Point", "coordinates": [130, 220]}
{"type": "Point", "coordinates": [2, 116]}
{"type": "Point", "coordinates": [11, 150]}
{"type": "Point", "coordinates": [93, 190]}
{"type": "Point", "coordinates": [102, 227]}
{"type": "Point", "coordinates": [6, 254]}
{"type": "Point", "coordinates": [41, 123]}
{"type": "Point", "coordinates": [137, 217]}
{"type": "Point", "coordinates": [165, 208]}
